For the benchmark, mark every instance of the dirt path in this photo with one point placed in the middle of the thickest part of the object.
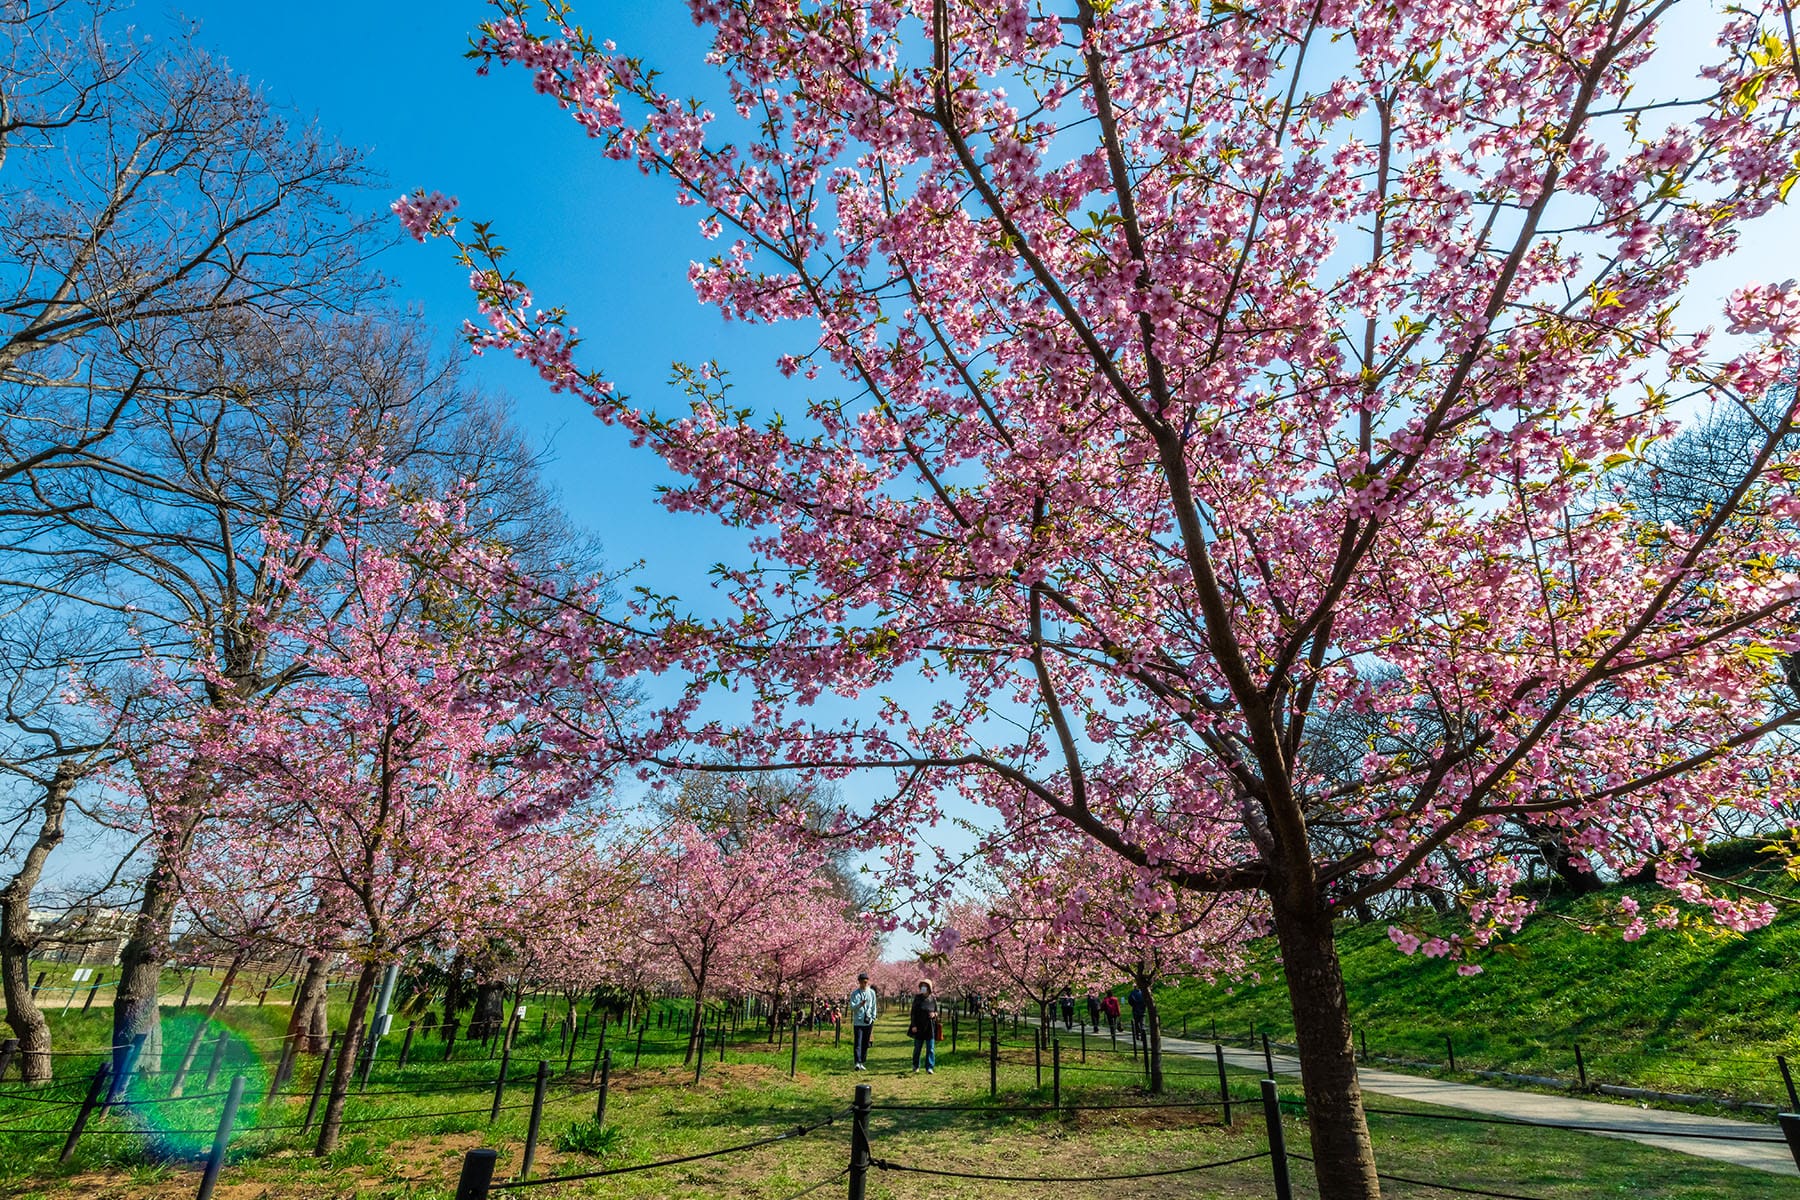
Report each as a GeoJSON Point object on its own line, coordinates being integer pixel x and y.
{"type": "Point", "coordinates": [1651, 1126]}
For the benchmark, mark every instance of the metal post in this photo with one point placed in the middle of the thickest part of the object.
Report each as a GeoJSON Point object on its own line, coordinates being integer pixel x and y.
{"type": "Point", "coordinates": [1056, 1073]}
{"type": "Point", "coordinates": [1581, 1071]}
{"type": "Point", "coordinates": [1284, 1190]}
{"type": "Point", "coordinates": [537, 1118]}
{"type": "Point", "coordinates": [319, 1083]}
{"type": "Point", "coordinates": [189, 989]}
{"type": "Point", "coordinates": [794, 1052]}
{"type": "Point", "coordinates": [1224, 1085]}
{"type": "Point", "coordinates": [1787, 1077]}
{"type": "Point", "coordinates": [1450, 1049]}
{"type": "Point", "coordinates": [1268, 1057]}
{"type": "Point", "coordinates": [477, 1175]}
{"type": "Point", "coordinates": [1084, 1043]}
{"type": "Point", "coordinates": [38, 984]}
{"type": "Point", "coordinates": [1363, 1039]}
{"type": "Point", "coordinates": [210, 1177]}
{"type": "Point", "coordinates": [859, 1143]}
{"type": "Point", "coordinates": [500, 1081]}
{"type": "Point", "coordinates": [639, 1052]}
{"type": "Point", "coordinates": [89, 1002]}
{"type": "Point", "coordinates": [87, 1110]}
{"type": "Point", "coordinates": [1037, 1057]}
{"type": "Point", "coordinates": [605, 1077]}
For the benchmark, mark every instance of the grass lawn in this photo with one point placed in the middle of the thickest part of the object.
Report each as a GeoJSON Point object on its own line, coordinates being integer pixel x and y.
{"type": "Point", "coordinates": [658, 1112]}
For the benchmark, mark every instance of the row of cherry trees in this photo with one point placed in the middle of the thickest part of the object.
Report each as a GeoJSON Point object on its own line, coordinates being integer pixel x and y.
{"type": "Point", "coordinates": [1230, 418]}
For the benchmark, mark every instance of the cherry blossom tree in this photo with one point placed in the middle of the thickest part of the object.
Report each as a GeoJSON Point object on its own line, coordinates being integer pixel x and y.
{"type": "Point", "coordinates": [409, 786]}
{"type": "Point", "coordinates": [1207, 373]}
{"type": "Point", "coordinates": [1129, 920]}
{"type": "Point", "coordinates": [719, 918]}
{"type": "Point", "coordinates": [812, 944]}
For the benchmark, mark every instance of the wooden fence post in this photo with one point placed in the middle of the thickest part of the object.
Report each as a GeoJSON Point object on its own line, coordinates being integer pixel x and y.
{"type": "Point", "coordinates": [319, 1083]}
{"type": "Point", "coordinates": [1790, 1129]}
{"type": "Point", "coordinates": [859, 1143]}
{"type": "Point", "coordinates": [218, 1059]}
{"type": "Point", "coordinates": [1224, 1084]}
{"type": "Point", "coordinates": [605, 1077]}
{"type": "Point", "coordinates": [537, 1118]}
{"type": "Point", "coordinates": [406, 1045]}
{"type": "Point", "coordinates": [1787, 1077]}
{"type": "Point", "coordinates": [1284, 1189]}
{"type": "Point", "coordinates": [1581, 1068]}
{"type": "Point", "coordinates": [1268, 1058]}
{"type": "Point", "coordinates": [86, 1111]}
{"type": "Point", "coordinates": [500, 1081]}
{"type": "Point", "coordinates": [209, 1178]}
{"type": "Point", "coordinates": [1450, 1050]}
{"type": "Point", "coordinates": [994, 1064]}
{"type": "Point", "coordinates": [477, 1175]}
{"type": "Point", "coordinates": [89, 1002]}
{"type": "Point", "coordinates": [1056, 1073]}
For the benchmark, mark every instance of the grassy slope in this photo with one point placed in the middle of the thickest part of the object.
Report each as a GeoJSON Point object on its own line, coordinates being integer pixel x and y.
{"type": "Point", "coordinates": [1674, 1010]}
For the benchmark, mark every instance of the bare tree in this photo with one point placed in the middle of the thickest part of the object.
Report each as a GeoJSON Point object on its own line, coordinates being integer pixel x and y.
{"type": "Point", "coordinates": [140, 189]}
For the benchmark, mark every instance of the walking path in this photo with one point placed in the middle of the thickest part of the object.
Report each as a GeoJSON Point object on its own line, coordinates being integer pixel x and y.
{"type": "Point", "coordinates": [1651, 1126]}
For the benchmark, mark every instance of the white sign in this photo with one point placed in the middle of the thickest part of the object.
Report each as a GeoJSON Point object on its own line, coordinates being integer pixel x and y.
{"type": "Point", "coordinates": [81, 975]}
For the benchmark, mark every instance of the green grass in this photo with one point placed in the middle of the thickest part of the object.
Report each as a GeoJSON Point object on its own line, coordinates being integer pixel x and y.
{"type": "Point", "coordinates": [656, 1111]}
{"type": "Point", "coordinates": [1674, 1011]}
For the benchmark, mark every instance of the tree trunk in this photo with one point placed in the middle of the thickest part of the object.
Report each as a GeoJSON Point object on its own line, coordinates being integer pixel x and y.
{"type": "Point", "coordinates": [490, 1011]}
{"type": "Point", "coordinates": [696, 1035]}
{"type": "Point", "coordinates": [1559, 858]}
{"type": "Point", "coordinates": [309, 1004]}
{"type": "Point", "coordinates": [453, 995]}
{"type": "Point", "coordinates": [135, 1004]}
{"type": "Point", "coordinates": [1343, 1158]}
{"type": "Point", "coordinates": [16, 939]}
{"type": "Point", "coordinates": [345, 1066]}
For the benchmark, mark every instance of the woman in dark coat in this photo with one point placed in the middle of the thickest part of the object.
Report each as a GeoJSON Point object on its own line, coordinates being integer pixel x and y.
{"type": "Point", "coordinates": [922, 1024]}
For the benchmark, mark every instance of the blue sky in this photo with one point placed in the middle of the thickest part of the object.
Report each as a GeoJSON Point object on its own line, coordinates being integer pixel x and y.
{"type": "Point", "coordinates": [597, 238]}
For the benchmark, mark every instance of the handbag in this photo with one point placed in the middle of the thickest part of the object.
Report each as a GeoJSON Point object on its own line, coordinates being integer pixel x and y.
{"type": "Point", "coordinates": [937, 1030]}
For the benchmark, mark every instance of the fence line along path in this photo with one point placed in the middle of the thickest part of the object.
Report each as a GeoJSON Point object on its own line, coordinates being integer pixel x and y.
{"type": "Point", "coordinates": [1706, 1137]}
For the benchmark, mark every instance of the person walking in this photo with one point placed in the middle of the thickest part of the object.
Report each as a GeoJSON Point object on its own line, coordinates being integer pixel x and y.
{"type": "Point", "coordinates": [1093, 1010]}
{"type": "Point", "coordinates": [1138, 1000]}
{"type": "Point", "coordinates": [1111, 1007]}
{"type": "Point", "coordinates": [922, 1024]}
{"type": "Point", "coordinates": [862, 1020]}
{"type": "Point", "coordinates": [1067, 1003]}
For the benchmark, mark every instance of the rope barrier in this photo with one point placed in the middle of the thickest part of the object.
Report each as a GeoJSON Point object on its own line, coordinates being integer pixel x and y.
{"type": "Point", "coordinates": [797, 1131]}
{"type": "Point", "coordinates": [886, 1165]}
{"type": "Point", "coordinates": [822, 1183]}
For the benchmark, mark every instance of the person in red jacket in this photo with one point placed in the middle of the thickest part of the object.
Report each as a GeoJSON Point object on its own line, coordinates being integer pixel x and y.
{"type": "Point", "coordinates": [1111, 1007]}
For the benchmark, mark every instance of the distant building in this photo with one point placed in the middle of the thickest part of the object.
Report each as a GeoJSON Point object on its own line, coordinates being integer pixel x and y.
{"type": "Point", "coordinates": [87, 935]}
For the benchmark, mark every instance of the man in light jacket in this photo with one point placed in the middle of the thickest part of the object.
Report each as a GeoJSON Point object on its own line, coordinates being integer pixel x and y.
{"type": "Point", "coordinates": [862, 1020]}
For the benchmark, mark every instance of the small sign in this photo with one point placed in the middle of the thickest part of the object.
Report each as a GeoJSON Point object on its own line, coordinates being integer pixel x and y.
{"type": "Point", "coordinates": [82, 975]}
{"type": "Point", "coordinates": [383, 1023]}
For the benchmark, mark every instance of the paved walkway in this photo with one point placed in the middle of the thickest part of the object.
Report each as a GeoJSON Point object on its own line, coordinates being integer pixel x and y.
{"type": "Point", "coordinates": [1651, 1126]}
